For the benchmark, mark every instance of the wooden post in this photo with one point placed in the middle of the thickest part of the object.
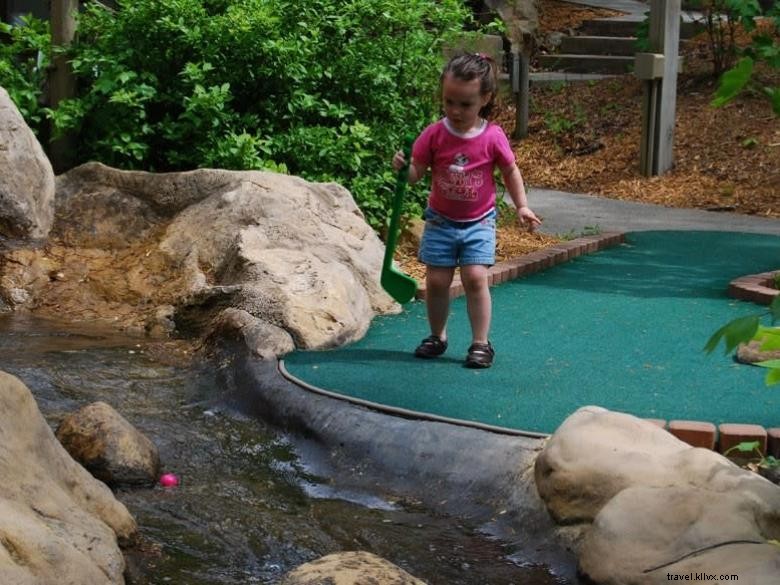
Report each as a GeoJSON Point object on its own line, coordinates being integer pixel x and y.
{"type": "Point", "coordinates": [61, 82]}
{"type": "Point", "coordinates": [520, 89]}
{"type": "Point", "coordinates": [661, 95]}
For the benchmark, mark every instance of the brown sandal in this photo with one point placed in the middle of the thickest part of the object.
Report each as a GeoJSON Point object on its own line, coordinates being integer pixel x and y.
{"type": "Point", "coordinates": [480, 355]}
{"type": "Point", "coordinates": [431, 347]}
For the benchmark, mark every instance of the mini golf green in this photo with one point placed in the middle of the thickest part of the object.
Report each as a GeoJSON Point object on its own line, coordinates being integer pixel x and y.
{"type": "Point", "coordinates": [623, 328]}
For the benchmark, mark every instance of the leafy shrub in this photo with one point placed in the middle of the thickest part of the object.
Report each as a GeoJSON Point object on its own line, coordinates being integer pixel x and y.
{"type": "Point", "coordinates": [24, 59]}
{"type": "Point", "coordinates": [722, 17]}
{"type": "Point", "coordinates": [324, 89]}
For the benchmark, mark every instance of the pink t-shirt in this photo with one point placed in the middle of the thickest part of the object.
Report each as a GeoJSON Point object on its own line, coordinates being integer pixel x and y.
{"type": "Point", "coordinates": [462, 186]}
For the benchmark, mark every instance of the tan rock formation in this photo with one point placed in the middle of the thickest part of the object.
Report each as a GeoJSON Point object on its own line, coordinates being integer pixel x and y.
{"type": "Point", "coordinates": [58, 524]}
{"type": "Point", "coordinates": [349, 568]}
{"type": "Point", "coordinates": [647, 505]}
{"type": "Point", "coordinates": [108, 446]}
{"type": "Point", "coordinates": [135, 249]}
{"type": "Point", "coordinates": [26, 178]}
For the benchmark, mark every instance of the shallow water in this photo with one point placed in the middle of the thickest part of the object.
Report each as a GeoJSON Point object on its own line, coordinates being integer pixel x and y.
{"type": "Point", "coordinates": [248, 509]}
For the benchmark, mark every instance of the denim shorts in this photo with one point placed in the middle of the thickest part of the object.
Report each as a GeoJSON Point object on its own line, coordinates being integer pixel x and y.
{"type": "Point", "coordinates": [446, 242]}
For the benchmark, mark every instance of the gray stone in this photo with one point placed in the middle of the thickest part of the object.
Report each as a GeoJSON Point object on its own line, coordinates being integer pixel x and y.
{"type": "Point", "coordinates": [26, 180]}
{"type": "Point", "coordinates": [261, 338]}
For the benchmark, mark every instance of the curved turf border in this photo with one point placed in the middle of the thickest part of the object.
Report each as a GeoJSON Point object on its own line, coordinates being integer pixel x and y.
{"type": "Point", "coordinates": [755, 288]}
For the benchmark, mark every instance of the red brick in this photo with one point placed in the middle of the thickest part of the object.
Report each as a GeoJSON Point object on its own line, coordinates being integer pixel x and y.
{"type": "Point", "coordinates": [561, 255]}
{"type": "Point", "coordinates": [572, 249]}
{"type": "Point", "coordinates": [659, 422]}
{"type": "Point", "coordinates": [695, 433]}
{"type": "Point", "coordinates": [732, 434]}
{"type": "Point", "coordinates": [773, 442]}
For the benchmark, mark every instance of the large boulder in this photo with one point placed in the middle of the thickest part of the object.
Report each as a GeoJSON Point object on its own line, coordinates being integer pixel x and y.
{"type": "Point", "coordinates": [349, 568]}
{"type": "Point", "coordinates": [647, 504]}
{"type": "Point", "coordinates": [58, 524]}
{"type": "Point", "coordinates": [646, 533]}
{"type": "Point", "coordinates": [26, 180]}
{"type": "Point", "coordinates": [108, 446]}
{"type": "Point", "coordinates": [296, 258]}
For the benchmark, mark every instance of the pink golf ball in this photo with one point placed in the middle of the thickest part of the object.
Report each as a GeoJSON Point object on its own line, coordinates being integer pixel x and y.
{"type": "Point", "coordinates": [169, 480]}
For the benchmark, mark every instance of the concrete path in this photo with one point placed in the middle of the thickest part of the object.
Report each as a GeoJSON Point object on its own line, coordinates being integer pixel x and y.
{"type": "Point", "coordinates": [564, 212]}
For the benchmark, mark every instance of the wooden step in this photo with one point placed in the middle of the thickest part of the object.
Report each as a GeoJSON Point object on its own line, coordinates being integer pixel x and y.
{"type": "Point", "coordinates": [615, 64]}
{"type": "Point", "coordinates": [610, 27]}
{"type": "Point", "coordinates": [590, 45]}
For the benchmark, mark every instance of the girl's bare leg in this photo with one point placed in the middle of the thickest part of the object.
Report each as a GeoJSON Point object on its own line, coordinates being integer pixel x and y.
{"type": "Point", "coordinates": [437, 298]}
{"type": "Point", "coordinates": [478, 302]}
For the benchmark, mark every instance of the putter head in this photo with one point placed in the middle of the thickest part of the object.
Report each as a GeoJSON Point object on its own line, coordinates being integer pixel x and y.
{"type": "Point", "coordinates": [398, 285]}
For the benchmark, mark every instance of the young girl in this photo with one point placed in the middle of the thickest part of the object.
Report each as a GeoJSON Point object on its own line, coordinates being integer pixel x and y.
{"type": "Point", "coordinates": [462, 149]}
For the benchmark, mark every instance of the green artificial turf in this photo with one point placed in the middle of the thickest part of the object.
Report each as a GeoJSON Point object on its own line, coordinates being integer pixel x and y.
{"type": "Point", "coordinates": [623, 328]}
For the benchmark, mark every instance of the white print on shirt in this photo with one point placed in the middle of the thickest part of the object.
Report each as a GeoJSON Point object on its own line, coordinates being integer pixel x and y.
{"type": "Point", "coordinates": [461, 160]}
{"type": "Point", "coordinates": [458, 185]}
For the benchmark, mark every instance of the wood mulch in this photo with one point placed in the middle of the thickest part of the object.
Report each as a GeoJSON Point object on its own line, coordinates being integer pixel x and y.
{"type": "Point", "coordinates": [584, 138]}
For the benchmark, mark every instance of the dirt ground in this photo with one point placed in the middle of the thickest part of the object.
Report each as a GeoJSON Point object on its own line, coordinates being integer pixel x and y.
{"type": "Point", "coordinates": [585, 138]}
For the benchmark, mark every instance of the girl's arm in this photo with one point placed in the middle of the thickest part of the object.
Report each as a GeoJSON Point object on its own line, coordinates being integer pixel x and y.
{"type": "Point", "coordinates": [513, 181]}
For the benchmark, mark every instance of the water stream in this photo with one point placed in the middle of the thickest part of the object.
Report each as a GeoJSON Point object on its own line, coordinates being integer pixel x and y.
{"type": "Point", "coordinates": [248, 509]}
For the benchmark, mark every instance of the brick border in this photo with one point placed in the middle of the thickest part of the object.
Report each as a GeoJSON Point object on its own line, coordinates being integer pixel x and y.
{"type": "Point", "coordinates": [539, 260]}
{"type": "Point", "coordinates": [722, 437]}
{"type": "Point", "coordinates": [756, 288]}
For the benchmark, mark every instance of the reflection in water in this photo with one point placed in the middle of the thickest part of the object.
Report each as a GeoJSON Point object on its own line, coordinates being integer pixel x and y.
{"type": "Point", "coordinates": [247, 510]}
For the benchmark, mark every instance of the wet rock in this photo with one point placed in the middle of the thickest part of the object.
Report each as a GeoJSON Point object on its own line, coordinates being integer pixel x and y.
{"type": "Point", "coordinates": [109, 447]}
{"type": "Point", "coordinates": [263, 339]}
{"type": "Point", "coordinates": [26, 180]}
{"type": "Point", "coordinates": [350, 568]}
{"type": "Point", "coordinates": [58, 524]}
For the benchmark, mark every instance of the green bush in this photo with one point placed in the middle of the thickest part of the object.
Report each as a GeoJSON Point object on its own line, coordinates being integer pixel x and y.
{"type": "Point", "coordinates": [764, 46]}
{"type": "Point", "coordinates": [24, 58]}
{"type": "Point", "coordinates": [324, 89]}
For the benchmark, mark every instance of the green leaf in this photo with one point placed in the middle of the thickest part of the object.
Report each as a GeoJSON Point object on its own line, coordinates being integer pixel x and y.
{"type": "Point", "coordinates": [745, 447]}
{"type": "Point", "coordinates": [748, 446]}
{"type": "Point", "coordinates": [769, 364]}
{"type": "Point", "coordinates": [770, 340]}
{"type": "Point", "coordinates": [732, 82]}
{"type": "Point", "coordinates": [772, 377]}
{"type": "Point", "coordinates": [734, 332]}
